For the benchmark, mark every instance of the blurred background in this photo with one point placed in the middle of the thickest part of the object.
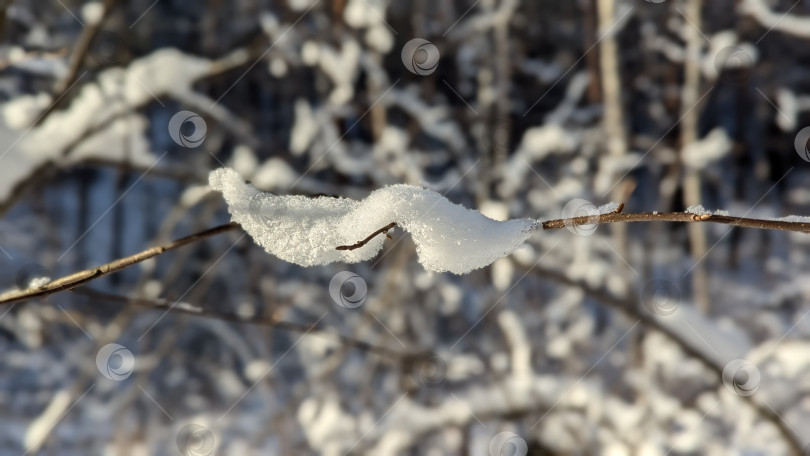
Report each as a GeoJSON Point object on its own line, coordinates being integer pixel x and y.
{"type": "Point", "coordinates": [643, 339]}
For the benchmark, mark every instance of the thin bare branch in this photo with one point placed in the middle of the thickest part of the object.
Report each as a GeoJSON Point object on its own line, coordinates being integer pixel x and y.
{"type": "Point", "coordinates": [368, 238]}
{"type": "Point", "coordinates": [78, 278]}
{"type": "Point", "coordinates": [618, 217]}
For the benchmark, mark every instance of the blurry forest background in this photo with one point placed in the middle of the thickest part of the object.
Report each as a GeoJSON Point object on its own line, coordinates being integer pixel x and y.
{"type": "Point", "coordinates": [644, 339]}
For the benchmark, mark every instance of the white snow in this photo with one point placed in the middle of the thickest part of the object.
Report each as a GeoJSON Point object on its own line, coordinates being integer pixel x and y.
{"type": "Point", "coordinates": [793, 219]}
{"type": "Point", "coordinates": [304, 128]}
{"type": "Point", "coordinates": [342, 67]}
{"type": "Point", "coordinates": [274, 173]}
{"type": "Point", "coordinates": [92, 12]}
{"type": "Point", "coordinates": [708, 150]}
{"type": "Point", "coordinates": [114, 94]}
{"type": "Point", "coordinates": [719, 343]}
{"type": "Point", "coordinates": [536, 144]}
{"type": "Point", "coordinates": [697, 210]}
{"type": "Point", "coordinates": [306, 231]}
{"type": "Point", "coordinates": [608, 208]}
{"type": "Point", "coordinates": [700, 210]}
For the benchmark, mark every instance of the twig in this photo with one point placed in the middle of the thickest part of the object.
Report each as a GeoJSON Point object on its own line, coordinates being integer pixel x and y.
{"type": "Point", "coordinates": [270, 320]}
{"type": "Point", "coordinates": [78, 278]}
{"type": "Point", "coordinates": [368, 238]}
{"type": "Point", "coordinates": [617, 217]}
{"type": "Point", "coordinates": [81, 277]}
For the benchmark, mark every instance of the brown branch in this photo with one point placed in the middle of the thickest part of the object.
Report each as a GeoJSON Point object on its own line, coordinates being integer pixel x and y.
{"type": "Point", "coordinates": [78, 278]}
{"type": "Point", "coordinates": [368, 238]}
{"type": "Point", "coordinates": [618, 217]}
{"type": "Point", "coordinates": [269, 320]}
{"type": "Point", "coordinates": [81, 277]}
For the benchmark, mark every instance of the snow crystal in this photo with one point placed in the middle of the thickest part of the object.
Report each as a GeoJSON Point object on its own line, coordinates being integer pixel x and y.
{"type": "Point", "coordinates": [721, 212]}
{"type": "Point", "coordinates": [608, 208]}
{"type": "Point", "coordinates": [37, 282]}
{"type": "Point", "coordinates": [793, 219]}
{"type": "Point", "coordinates": [697, 210]}
{"type": "Point", "coordinates": [306, 231]}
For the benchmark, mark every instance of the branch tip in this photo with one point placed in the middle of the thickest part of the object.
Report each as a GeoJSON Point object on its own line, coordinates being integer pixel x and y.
{"type": "Point", "coordinates": [357, 245]}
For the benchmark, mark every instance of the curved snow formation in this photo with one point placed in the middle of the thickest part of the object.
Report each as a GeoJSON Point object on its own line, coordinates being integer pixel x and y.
{"type": "Point", "coordinates": [306, 231]}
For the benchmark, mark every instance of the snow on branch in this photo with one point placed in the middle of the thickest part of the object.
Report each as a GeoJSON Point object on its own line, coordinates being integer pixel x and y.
{"type": "Point", "coordinates": [309, 231]}
{"type": "Point", "coordinates": [784, 22]}
{"type": "Point", "coordinates": [316, 231]}
{"type": "Point", "coordinates": [101, 113]}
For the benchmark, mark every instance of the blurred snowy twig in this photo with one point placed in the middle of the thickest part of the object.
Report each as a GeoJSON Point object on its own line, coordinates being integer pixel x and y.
{"type": "Point", "coordinates": [631, 307]}
{"type": "Point", "coordinates": [784, 22]}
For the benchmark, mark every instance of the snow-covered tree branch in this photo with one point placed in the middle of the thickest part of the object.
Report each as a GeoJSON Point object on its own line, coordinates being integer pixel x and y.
{"type": "Point", "coordinates": [377, 227]}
